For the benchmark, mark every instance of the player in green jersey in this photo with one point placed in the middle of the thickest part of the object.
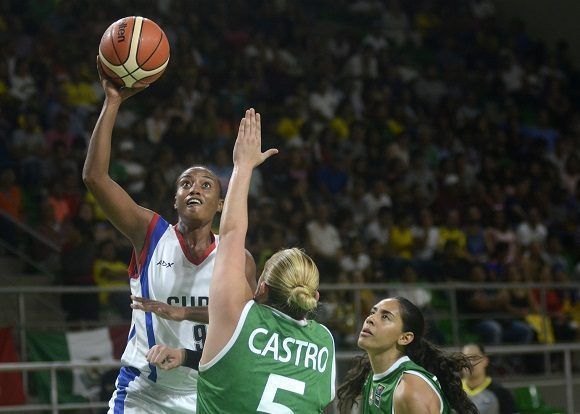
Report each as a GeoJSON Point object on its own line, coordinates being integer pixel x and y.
{"type": "Point", "coordinates": [261, 354]}
{"type": "Point", "coordinates": [401, 372]}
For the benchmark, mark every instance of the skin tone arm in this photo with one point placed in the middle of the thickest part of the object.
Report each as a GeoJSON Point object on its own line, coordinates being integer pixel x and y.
{"type": "Point", "coordinates": [189, 313]}
{"type": "Point", "coordinates": [229, 291]}
{"type": "Point", "coordinates": [414, 395]}
{"type": "Point", "coordinates": [126, 215]}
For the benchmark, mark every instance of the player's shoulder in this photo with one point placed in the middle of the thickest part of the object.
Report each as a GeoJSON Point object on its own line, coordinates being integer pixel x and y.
{"type": "Point", "coordinates": [323, 332]}
{"type": "Point", "coordinates": [414, 394]}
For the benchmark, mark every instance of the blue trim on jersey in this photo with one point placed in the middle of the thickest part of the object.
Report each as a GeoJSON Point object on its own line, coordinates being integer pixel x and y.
{"type": "Point", "coordinates": [126, 375]}
{"type": "Point", "coordinates": [159, 230]}
{"type": "Point", "coordinates": [132, 333]}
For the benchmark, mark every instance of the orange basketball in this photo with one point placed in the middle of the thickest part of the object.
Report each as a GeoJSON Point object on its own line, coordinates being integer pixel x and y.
{"type": "Point", "coordinates": [133, 49]}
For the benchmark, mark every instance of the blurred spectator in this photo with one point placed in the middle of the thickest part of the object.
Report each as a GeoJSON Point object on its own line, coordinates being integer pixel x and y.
{"type": "Point", "coordinates": [450, 263]}
{"type": "Point", "coordinates": [108, 270]}
{"type": "Point", "coordinates": [479, 303]}
{"type": "Point", "coordinates": [377, 197]}
{"type": "Point", "coordinates": [127, 171]}
{"type": "Point", "coordinates": [222, 167]}
{"type": "Point", "coordinates": [54, 232]}
{"type": "Point", "coordinates": [332, 178]}
{"type": "Point", "coordinates": [552, 301]}
{"type": "Point", "coordinates": [76, 264]}
{"type": "Point", "coordinates": [377, 268]}
{"type": "Point", "coordinates": [325, 99]}
{"type": "Point", "coordinates": [11, 201]}
{"type": "Point", "coordinates": [22, 84]}
{"type": "Point", "coordinates": [60, 133]}
{"type": "Point", "coordinates": [475, 237]}
{"type": "Point", "coordinates": [355, 261]}
{"type": "Point", "coordinates": [500, 232]}
{"type": "Point", "coordinates": [532, 230]}
{"type": "Point", "coordinates": [411, 289]}
{"type": "Point", "coordinates": [425, 236]}
{"type": "Point", "coordinates": [487, 394]}
{"type": "Point", "coordinates": [354, 201]}
{"type": "Point", "coordinates": [451, 231]}
{"type": "Point", "coordinates": [156, 125]}
{"type": "Point", "coordinates": [380, 227]}
{"type": "Point", "coordinates": [401, 241]}
{"type": "Point", "coordinates": [28, 139]}
{"type": "Point", "coordinates": [60, 207]}
{"type": "Point", "coordinates": [324, 242]}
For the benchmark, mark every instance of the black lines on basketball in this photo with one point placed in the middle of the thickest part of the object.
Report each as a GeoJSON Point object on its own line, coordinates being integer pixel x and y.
{"type": "Point", "coordinates": [154, 50]}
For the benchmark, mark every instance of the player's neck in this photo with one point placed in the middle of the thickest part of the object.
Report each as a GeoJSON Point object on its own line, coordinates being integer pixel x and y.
{"type": "Point", "coordinates": [381, 362]}
{"type": "Point", "coordinates": [196, 238]}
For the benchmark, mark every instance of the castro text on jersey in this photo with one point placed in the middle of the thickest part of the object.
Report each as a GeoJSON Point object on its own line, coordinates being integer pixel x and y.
{"type": "Point", "coordinates": [288, 350]}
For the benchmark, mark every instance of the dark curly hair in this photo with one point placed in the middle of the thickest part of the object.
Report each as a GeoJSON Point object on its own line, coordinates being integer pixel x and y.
{"type": "Point", "coordinates": [446, 366]}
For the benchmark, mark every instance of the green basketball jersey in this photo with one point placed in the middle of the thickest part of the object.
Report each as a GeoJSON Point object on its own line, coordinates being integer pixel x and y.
{"type": "Point", "coordinates": [378, 390]}
{"type": "Point", "coordinates": [272, 364]}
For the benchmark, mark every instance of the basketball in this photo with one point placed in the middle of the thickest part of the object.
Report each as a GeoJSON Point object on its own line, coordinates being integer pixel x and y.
{"type": "Point", "coordinates": [133, 49]}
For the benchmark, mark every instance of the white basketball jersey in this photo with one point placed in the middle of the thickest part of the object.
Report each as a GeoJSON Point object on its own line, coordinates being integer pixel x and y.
{"type": "Point", "coordinates": [165, 272]}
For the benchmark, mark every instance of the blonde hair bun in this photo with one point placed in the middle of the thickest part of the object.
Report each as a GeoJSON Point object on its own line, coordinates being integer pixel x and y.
{"type": "Point", "coordinates": [293, 279]}
{"type": "Point", "coordinates": [302, 298]}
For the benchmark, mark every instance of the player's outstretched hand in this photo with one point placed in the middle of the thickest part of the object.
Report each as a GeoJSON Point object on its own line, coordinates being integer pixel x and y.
{"type": "Point", "coordinates": [248, 146]}
{"type": "Point", "coordinates": [115, 92]}
{"type": "Point", "coordinates": [163, 310]}
{"type": "Point", "coordinates": [165, 357]}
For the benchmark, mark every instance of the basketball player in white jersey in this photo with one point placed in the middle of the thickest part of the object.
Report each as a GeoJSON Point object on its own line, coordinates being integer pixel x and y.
{"type": "Point", "coordinates": [171, 264]}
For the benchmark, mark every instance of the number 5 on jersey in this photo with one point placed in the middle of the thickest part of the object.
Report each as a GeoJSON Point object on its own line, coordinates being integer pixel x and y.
{"type": "Point", "coordinates": [275, 382]}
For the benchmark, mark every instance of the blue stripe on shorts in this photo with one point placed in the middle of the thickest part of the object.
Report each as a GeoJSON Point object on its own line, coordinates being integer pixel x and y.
{"type": "Point", "coordinates": [126, 375]}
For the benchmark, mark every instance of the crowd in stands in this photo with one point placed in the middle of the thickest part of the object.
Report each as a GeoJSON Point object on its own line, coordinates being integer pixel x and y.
{"type": "Point", "coordinates": [419, 141]}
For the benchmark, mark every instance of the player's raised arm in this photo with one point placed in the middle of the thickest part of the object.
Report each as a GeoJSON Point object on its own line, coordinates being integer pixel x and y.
{"type": "Point", "coordinates": [229, 289]}
{"type": "Point", "coordinates": [127, 216]}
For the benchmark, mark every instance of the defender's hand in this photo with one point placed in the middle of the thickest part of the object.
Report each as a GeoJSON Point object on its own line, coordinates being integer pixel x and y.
{"type": "Point", "coordinates": [248, 146]}
{"type": "Point", "coordinates": [165, 357]}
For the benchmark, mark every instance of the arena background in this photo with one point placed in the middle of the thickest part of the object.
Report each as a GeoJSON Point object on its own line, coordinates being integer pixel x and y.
{"type": "Point", "coordinates": [389, 115]}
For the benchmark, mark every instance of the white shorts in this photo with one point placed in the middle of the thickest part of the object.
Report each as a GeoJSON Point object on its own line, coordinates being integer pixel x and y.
{"type": "Point", "coordinates": [135, 394]}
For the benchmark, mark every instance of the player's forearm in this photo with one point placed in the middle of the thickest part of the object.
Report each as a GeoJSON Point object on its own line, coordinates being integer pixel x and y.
{"type": "Point", "coordinates": [99, 150]}
{"type": "Point", "coordinates": [235, 214]}
{"type": "Point", "coordinates": [196, 314]}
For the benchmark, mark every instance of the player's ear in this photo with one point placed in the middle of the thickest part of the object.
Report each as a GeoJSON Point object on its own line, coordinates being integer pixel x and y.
{"type": "Point", "coordinates": [406, 338]}
{"type": "Point", "coordinates": [261, 290]}
{"type": "Point", "coordinates": [175, 202]}
{"type": "Point", "coordinates": [220, 205]}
